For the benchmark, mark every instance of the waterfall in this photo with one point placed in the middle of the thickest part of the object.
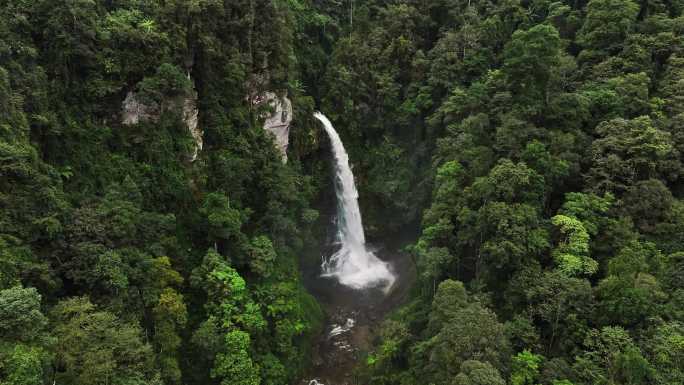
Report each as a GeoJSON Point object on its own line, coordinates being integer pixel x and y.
{"type": "Point", "coordinates": [353, 264]}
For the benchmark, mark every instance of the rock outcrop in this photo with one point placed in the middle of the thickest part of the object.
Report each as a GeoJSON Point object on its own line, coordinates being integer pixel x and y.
{"type": "Point", "coordinates": [277, 119]}
{"type": "Point", "coordinates": [135, 111]}
{"type": "Point", "coordinates": [190, 118]}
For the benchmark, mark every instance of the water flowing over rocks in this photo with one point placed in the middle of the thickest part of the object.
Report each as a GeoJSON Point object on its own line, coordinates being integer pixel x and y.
{"type": "Point", "coordinates": [353, 319]}
{"type": "Point", "coordinates": [357, 288]}
{"type": "Point", "coordinates": [354, 265]}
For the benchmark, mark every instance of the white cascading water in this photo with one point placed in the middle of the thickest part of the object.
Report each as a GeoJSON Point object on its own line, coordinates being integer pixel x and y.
{"type": "Point", "coordinates": [353, 265]}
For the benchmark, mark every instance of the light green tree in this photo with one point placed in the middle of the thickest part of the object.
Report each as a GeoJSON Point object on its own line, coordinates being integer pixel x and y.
{"type": "Point", "coordinates": [572, 253]}
{"type": "Point", "coordinates": [525, 368]}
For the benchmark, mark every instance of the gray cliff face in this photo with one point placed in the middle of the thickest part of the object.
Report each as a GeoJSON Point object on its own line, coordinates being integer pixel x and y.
{"type": "Point", "coordinates": [190, 118]}
{"type": "Point", "coordinates": [278, 119]}
{"type": "Point", "coordinates": [134, 111]}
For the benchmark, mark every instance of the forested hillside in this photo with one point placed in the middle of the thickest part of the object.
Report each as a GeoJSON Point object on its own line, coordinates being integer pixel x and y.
{"type": "Point", "coordinates": [551, 136]}
{"type": "Point", "coordinates": [121, 260]}
{"type": "Point", "coordinates": [535, 147]}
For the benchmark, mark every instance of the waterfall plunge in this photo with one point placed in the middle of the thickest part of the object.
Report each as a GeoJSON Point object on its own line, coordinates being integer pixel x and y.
{"type": "Point", "coordinates": [353, 265]}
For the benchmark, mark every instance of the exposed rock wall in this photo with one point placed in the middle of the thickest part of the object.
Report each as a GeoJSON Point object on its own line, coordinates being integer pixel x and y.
{"type": "Point", "coordinates": [134, 111]}
{"type": "Point", "coordinates": [190, 118]}
{"type": "Point", "coordinates": [278, 119]}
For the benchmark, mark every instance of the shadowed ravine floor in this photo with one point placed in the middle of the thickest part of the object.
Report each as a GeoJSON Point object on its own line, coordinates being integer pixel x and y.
{"type": "Point", "coordinates": [352, 319]}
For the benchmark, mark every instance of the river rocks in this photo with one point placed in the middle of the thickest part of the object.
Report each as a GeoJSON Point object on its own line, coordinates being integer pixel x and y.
{"type": "Point", "coordinates": [353, 318]}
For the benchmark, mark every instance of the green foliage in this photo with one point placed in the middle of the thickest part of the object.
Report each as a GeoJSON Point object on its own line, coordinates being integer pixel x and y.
{"type": "Point", "coordinates": [648, 203]}
{"type": "Point", "coordinates": [528, 61]}
{"type": "Point", "coordinates": [525, 368]}
{"type": "Point", "coordinates": [589, 208]}
{"type": "Point", "coordinates": [170, 315]}
{"type": "Point", "coordinates": [449, 299]}
{"type": "Point", "coordinates": [223, 220]}
{"type": "Point", "coordinates": [665, 349]}
{"type": "Point", "coordinates": [555, 192]}
{"type": "Point", "coordinates": [561, 307]}
{"type": "Point", "coordinates": [628, 151]}
{"type": "Point", "coordinates": [23, 366]}
{"type": "Point", "coordinates": [24, 338]}
{"type": "Point", "coordinates": [607, 23]}
{"type": "Point", "coordinates": [630, 293]}
{"type": "Point", "coordinates": [462, 330]}
{"type": "Point", "coordinates": [93, 207]}
{"type": "Point", "coordinates": [612, 358]}
{"type": "Point", "coordinates": [96, 347]}
{"type": "Point", "coordinates": [227, 297]}
{"type": "Point", "coordinates": [571, 255]}
{"type": "Point", "coordinates": [167, 82]}
{"type": "Point", "coordinates": [477, 373]}
{"type": "Point", "coordinates": [234, 366]}
{"type": "Point", "coordinates": [20, 317]}
{"type": "Point", "coordinates": [538, 146]}
{"type": "Point", "coordinates": [262, 256]}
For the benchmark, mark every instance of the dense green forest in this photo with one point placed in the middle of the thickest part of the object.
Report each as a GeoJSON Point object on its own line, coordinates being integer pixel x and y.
{"type": "Point", "coordinates": [534, 147]}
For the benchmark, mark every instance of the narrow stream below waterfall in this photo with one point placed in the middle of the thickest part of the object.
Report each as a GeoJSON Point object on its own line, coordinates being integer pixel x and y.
{"type": "Point", "coordinates": [353, 318]}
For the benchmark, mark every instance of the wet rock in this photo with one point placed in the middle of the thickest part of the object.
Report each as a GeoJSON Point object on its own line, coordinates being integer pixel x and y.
{"type": "Point", "coordinates": [336, 358]}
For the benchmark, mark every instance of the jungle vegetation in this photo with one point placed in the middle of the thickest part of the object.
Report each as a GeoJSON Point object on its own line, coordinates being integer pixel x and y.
{"type": "Point", "coordinates": [535, 148]}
